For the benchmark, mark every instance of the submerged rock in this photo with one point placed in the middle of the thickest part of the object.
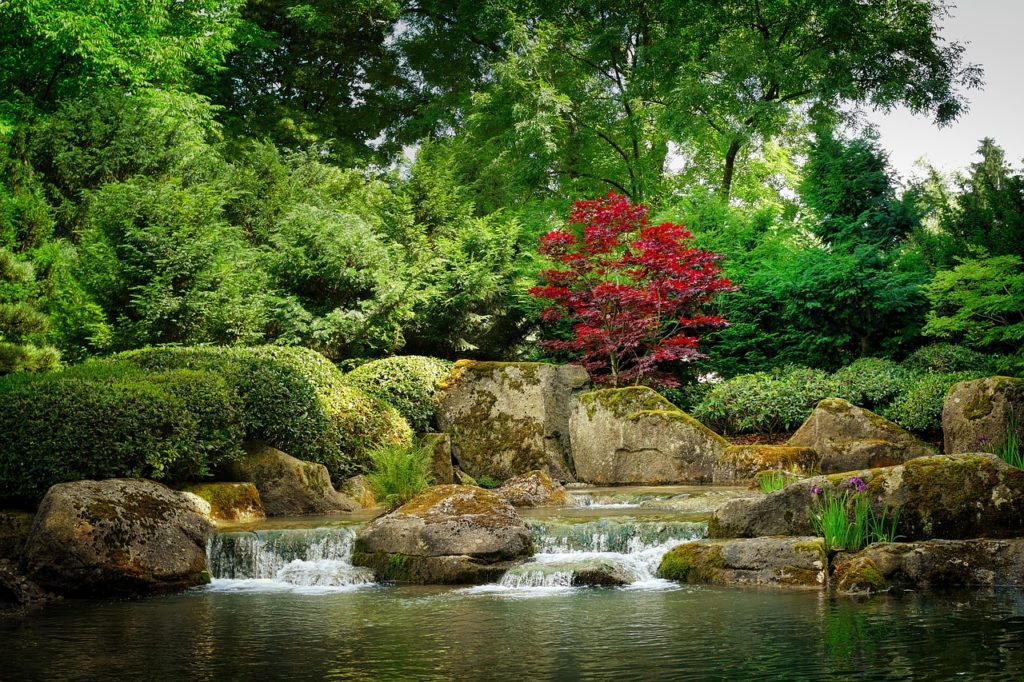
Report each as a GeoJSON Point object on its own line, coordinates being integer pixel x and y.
{"type": "Point", "coordinates": [634, 435]}
{"type": "Point", "coordinates": [507, 418]}
{"type": "Point", "coordinates": [118, 536]}
{"type": "Point", "coordinates": [953, 497]}
{"type": "Point", "coordinates": [931, 564]}
{"type": "Point", "coordinates": [289, 486]}
{"type": "Point", "coordinates": [229, 501]}
{"type": "Point", "coordinates": [742, 463]}
{"type": "Point", "coordinates": [790, 562]}
{"type": "Point", "coordinates": [533, 489]}
{"type": "Point", "coordinates": [440, 447]}
{"type": "Point", "coordinates": [849, 438]}
{"type": "Point", "coordinates": [448, 534]}
{"type": "Point", "coordinates": [978, 415]}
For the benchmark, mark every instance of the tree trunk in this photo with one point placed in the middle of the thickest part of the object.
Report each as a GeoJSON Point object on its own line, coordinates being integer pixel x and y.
{"type": "Point", "coordinates": [730, 167]}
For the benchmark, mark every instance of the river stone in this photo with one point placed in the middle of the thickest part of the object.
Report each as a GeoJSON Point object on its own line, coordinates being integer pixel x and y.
{"type": "Point", "coordinates": [533, 489]}
{"type": "Point", "coordinates": [507, 418]}
{"type": "Point", "coordinates": [16, 590]}
{"type": "Point", "coordinates": [931, 564]}
{"type": "Point", "coordinates": [742, 463]}
{"type": "Point", "coordinates": [790, 562]}
{"type": "Point", "coordinates": [448, 534]}
{"type": "Point", "coordinates": [289, 486]}
{"type": "Point", "coordinates": [634, 435]}
{"type": "Point", "coordinates": [850, 438]}
{"type": "Point", "coordinates": [229, 501]}
{"type": "Point", "coordinates": [118, 536]}
{"type": "Point", "coordinates": [14, 529]}
{"type": "Point", "coordinates": [440, 447]}
{"type": "Point", "coordinates": [358, 488]}
{"type": "Point", "coordinates": [977, 414]}
{"type": "Point", "coordinates": [941, 496]}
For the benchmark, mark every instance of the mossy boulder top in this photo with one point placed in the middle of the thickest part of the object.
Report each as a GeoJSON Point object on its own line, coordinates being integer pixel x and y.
{"type": "Point", "coordinates": [742, 463]}
{"type": "Point", "coordinates": [288, 486]}
{"type": "Point", "coordinates": [228, 501]}
{"type": "Point", "coordinates": [448, 534]}
{"type": "Point", "coordinates": [940, 496]}
{"type": "Point", "coordinates": [507, 418]}
{"type": "Point", "coordinates": [850, 438]}
{"type": "Point", "coordinates": [118, 536]}
{"type": "Point", "coordinates": [979, 414]}
{"type": "Point", "coordinates": [634, 435]}
{"type": "Point", "coordinates": [789, 562]}
{"type": "Point", "coordinates": [533, 489]}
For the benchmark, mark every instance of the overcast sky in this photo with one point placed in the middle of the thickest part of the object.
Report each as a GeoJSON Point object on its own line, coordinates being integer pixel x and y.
{"type": "Point", "coordinates": [992, 31]}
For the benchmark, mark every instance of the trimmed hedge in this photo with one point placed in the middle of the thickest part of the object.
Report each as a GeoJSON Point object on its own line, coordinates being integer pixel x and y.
{"type": "Point", "coordinates": [293, 399]}
{"type": "Point", "coordinates": [407, 382]}
{"type": "Point", "coordinates": [872, 383]}
{"type": "Point", "coordinates": [105, 421]}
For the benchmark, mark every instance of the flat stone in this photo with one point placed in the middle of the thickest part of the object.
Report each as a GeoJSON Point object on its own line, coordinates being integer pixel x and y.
{"type": "Point", "coordinates": [781, 562]}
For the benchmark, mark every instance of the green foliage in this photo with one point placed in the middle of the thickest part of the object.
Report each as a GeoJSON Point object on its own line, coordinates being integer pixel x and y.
{"type": "Point", "coordinates": [293, 399]}
{"type": "Point", "coordinates": [871, 382]}
{"type": "Point", "coordinates": [112, 420]}
{"type": "Point", "coordinates": [488, 482]}
{"type": "Point", "coordinates": [844, 518]}
{"type": "Point", "coordinates": [770, 481]}
{"type": "Point", "coordinates": [398, 473]}
{"type": "Point", "coordinates": [944, 358]}
{"type": "Point", "coordinates": [407, 382]}
{"type": "Point", "coordinates": [919, 407]}
{"type": "Point", "coordinates": [764, 403]}
{"type": "Point", "coordinates": [23, 326]}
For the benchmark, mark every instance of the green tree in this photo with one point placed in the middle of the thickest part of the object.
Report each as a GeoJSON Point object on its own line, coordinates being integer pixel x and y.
{"type": "Point", "coordinates": [22, 325]}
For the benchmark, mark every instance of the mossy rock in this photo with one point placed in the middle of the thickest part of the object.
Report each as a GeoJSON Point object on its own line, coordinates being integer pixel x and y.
{"type": "Point", "coordinates": [858, 575]}
{"type": "Point", "coordinates": [634, 435]}
{"type": "Point", "coordinates": [533, 489]}
{"type": "Point", "coordinates": [230, 501]}
{"type": "Point", "coordinates": [440, 447]}
{"type": "Point", "coordinates": [982, 414]}
{"type": "Point", "coordinates": [780, 562]}
{"type": "Point", "coordinates": [743, 463]}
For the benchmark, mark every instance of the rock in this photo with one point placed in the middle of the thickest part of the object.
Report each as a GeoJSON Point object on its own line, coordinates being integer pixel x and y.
{"type": "Point", "coordinates": [440, 446]}
{"type": "Point", "coordinates": [449, 534]}
{"type": "Point", "coordinates": [533, 489]}
{"type": "Point", "coordinates": [634, 435]}
{"type": "Point", "coordinates": [931, 564]}
{"type": "Point", "coordinates": [591, 572]}
{"type": "Point", "coordinates": [507, 418]}
{"type": "Point", "coordinates": [791, 562]}
{"type": "Point", "coordinates": [604, 574]}
{"type": "Point", "coordinates": [118, 536]}
{"type": "Point", "coordinates": [849, 438]}
{"type": "Point", "coordinates": [977, 415]}
{"type": "Point", "coordinates": [229, 501]}
{"type": "Point", "coordinates": [942, 496]}
{"type": "Point", "coordinates": [358, 488]}
{"type": "Point", "coordinates": [289, 486]}
{"type": "Point", "coordinates": [14, 529]}
{"type": "Point", "coordinates": [16, 590]}
{"type": "Point", "coordinates": [462, 478]}
{"type": "Point", "coordinates": [742, 463]}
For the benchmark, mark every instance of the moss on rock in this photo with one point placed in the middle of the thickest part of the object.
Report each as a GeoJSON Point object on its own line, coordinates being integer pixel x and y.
{"type": "Point", "coordinates": [230, 501]}
{"type": "Point", "coordinates": [692, 563]}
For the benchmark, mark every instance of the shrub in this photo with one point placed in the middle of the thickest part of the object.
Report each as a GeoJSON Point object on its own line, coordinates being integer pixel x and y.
{"type": "Point", "coordinates": [408, 383]}
{"type": "Point", "coordinates": [764, 403]}
{"type": "Point", "coordinates": [399, 473]}
{"type": "Point", "coordinates": [106, 420]}
{"type": "Point", "coordinates": [294, 400]}
{"type": "Point", "coordinates": [919, 408]}
{"type": "Point", "coordinates": [871, 382]}
{"type": "Point", "coordinates": [943, 358]}
{"type": "Point", "coordinates": [488, 482]}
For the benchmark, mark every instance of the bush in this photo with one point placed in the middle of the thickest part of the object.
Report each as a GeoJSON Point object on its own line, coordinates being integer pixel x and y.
{"type": "Point", "coordinates": [106, 420]}
{"type": "Point", "coordinates": [764, 403]}
{"type": "Point", "coordinates": [871, 382]}
{"type": "Point", "coordinates": [947, 357]}
{"type": "Point", "coordinates": [920, 407]}
{"type": "Point", "coordinates": [294, 400]}
{"type": "Point", "coordinates": [399, 473]}
{"type": "Point", "coordinates": [408, 383]}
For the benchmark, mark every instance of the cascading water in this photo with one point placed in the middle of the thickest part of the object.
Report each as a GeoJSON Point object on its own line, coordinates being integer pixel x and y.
{"type": "Point", "coordinates": [316, 559]}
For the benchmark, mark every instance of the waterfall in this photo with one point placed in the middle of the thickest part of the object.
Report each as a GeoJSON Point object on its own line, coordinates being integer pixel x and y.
{"type": "Point", "coordinates": [313, 559]}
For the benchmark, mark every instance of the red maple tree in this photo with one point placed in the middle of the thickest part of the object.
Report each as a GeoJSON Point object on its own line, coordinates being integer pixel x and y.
{"type": "Point", "coordinates": [633, 292]}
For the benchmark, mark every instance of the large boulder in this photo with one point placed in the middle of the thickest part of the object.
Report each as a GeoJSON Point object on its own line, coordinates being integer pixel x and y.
{"type": "Point", "coordinates": [979, 414]}
{"type": "Point", "coordinates": [439, 445]}
{"type": "Point", "coordinates": [229, 501]}
{"type": "Point", "coordinates": [942, 496]}
{"type": "Point", "coordinates": [449, 534]}
{"type": "Point", "coordinates": [634, 435]}
{"type": "Point", "coordinates": [742, 463]}
{"type": "Point", "coordinates": [118, 536]}
{"type": "Point", "coordinates": [850, 438]}
{"type": "Point", "coordinates": [931, 564]}
{"type": "Point", "coordinates": [790, 562]}
{"type": "Point", "coordinates": [533, 489]}
{"type": "Point", "coordinates": [507, 418]}
{"type": "Point", "coordinates": [289, 486]}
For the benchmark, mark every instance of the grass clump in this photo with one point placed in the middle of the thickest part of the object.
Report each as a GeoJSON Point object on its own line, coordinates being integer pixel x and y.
{"type": "Point", "coordinates": [844, 518]}
{"type": "Point", "coordinates": [399, 473]}
{"type": "Point", "coordinates": [770, 481]}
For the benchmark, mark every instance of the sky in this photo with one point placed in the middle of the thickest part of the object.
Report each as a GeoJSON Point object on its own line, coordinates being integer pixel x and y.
{"type": "Point", "coordinates": [992, 33]}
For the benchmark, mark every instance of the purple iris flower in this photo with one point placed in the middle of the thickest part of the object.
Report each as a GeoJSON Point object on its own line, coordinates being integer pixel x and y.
{"type": "Point", "coordinates": [816, 490]}
{"type": "Point", "coordinates": [857, 484]}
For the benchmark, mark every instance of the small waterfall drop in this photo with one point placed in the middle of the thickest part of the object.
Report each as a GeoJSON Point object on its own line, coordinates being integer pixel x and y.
{"type": "Point", "coordinates": [317, 559]}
